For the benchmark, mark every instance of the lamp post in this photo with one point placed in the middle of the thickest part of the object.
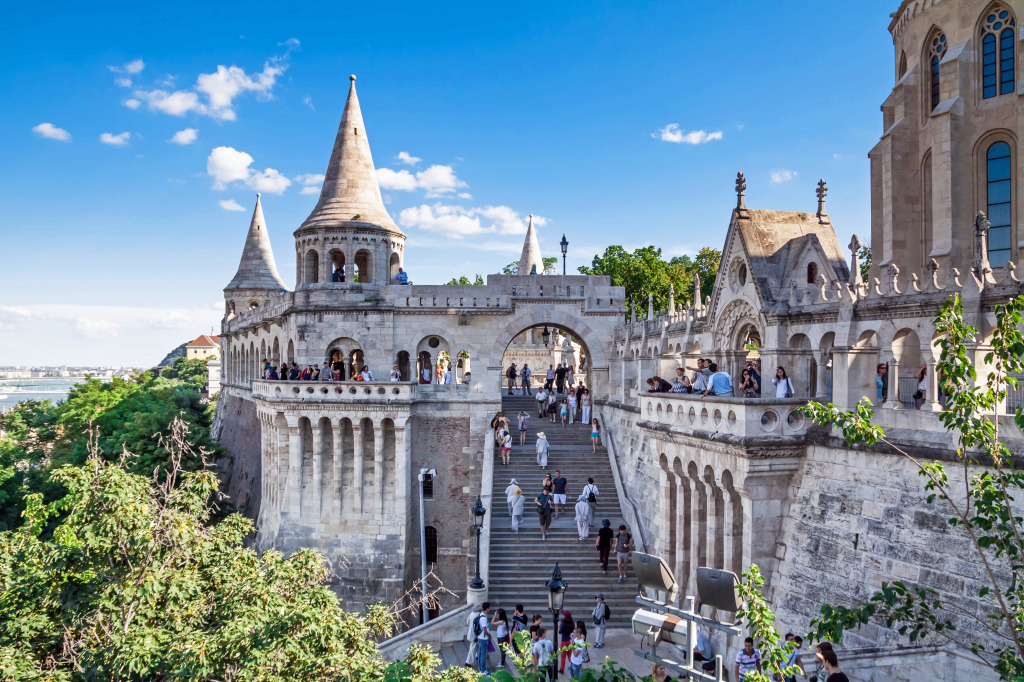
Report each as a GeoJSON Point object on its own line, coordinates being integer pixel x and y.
{"type": "Point", "coordinates": [556, 597]}
{"type": "Point", "coordinates": [479, 512]}
{"type": "Point", "coordinates": [545, 335]}
{"type": "Point", "coordinates": [565, 247]}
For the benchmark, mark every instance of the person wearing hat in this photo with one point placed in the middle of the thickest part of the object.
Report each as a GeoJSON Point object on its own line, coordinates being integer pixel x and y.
{"type": "Point", "coordinates": [604, 543]}
{"type": "Point", "coordinates": [512, 485]}
{"type": "Point", "coordinates": [600, 615]}
{"type": "Point", "coordinates": [583, 517]}
{"type": "Point", "coordinates": [516, 507]}
{"type": "Point", "coordinates": [542, 450]}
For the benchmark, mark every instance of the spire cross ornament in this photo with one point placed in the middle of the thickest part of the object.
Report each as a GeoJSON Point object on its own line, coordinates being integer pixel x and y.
{"type": "Point", "coordinates": [822, 192]}
{"type": "Point", "coordinates": [741, 188]}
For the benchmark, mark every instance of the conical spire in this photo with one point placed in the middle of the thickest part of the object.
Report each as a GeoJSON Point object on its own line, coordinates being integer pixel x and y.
{"type": "Point", "coordinates": [257, 269]}
{"type": "Point", "coordinates": [531, 261]}
{"type": "Point", "coordinates": [350, 193]}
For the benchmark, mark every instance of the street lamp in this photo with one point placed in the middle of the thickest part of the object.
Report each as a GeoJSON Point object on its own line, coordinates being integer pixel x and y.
{"type": "Point", "coordinates": [565, 247]}
{"type": "Point", "coordinates": [556, 597]}
{"type": "Point", "coordinates": [479, 512]}
{"type": "Point", "coordinates": [545, 335]}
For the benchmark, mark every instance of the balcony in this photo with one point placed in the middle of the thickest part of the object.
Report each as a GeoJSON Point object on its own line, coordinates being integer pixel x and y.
{"type": "Point", "coordinates": [334, 391]}
{"type": "Point", "coordinates": [739, 417]}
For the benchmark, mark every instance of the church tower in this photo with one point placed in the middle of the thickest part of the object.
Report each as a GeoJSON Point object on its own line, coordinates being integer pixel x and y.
{"type": "Point", "coordinates": [349, 238]}
{"type": "Point", "coordinates": [256, 280]}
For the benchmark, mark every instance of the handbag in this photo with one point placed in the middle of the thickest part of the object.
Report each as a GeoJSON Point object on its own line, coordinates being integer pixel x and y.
{"type": "Point", "coordinates": [586, 654]}
{"type": "Point", "coordinates": [917, 395]}
{"type": "Point", "coordinates": [789, 388]}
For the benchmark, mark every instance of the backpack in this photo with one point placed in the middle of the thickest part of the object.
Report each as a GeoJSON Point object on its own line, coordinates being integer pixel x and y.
{"type": "Point", "coordinates": [607, 612]}
{"type": "Point", "coordinates": [592, 498]}
{"type": "Point", "coordinates": [476, 627]}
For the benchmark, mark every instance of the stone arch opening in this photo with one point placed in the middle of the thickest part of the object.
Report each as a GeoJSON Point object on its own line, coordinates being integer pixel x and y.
{"type": "Point", "coordinates": [337, 265]}
{"type": "Point", "coordinates": [562, 351]}
{"type": "Point", "coordinates": [364, 266]}
{"type": "Point", "coordinates": [463, 369]}
{"type": "Point", "coordinates": [339, 354]}
{"type": "Point", "coordinates": [424, 368]}
{"type": "Point", "coordinates": [402, 360]}
{"type": "Point", "coordinates": [906, 360]}
{"type": "Point", "coordinates": [431, 354]}
{"type": "Point", "coordinates": [395, 263]}
{"type": "Point", "coordinates": [311, 267]}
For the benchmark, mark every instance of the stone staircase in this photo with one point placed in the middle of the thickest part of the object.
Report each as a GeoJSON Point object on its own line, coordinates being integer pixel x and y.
{"type": "Point", "coordinates": [521, 564]}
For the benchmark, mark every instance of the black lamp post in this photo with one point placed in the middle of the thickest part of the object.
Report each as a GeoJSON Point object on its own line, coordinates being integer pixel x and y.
{"type": "Point", "coordinates": [545, 335]}
{"type": "Point", "coordinates": [556, 597]}
{"type": "Point", "coordinates": [565, 247]}
{"type": "Point", "coordinates": [479, 512]}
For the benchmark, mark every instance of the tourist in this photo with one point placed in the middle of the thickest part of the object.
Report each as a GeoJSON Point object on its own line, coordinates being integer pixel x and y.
{"type": "Point", "coordinates": [395, 374]}
{"type": "Point", "coordinates": [542, 450]}
{"type": "Point", "coordinates": [542, 402]}
{"type": "Point", "coordinates": [544, 511]}
{"type": "Point", "coordinates": [595, 434]}
{"type": "Point", "coordinates": [583, 518]}
{"type": "Point", "coordinates": [293, 372]}
{"type": "Point", "coordinates": [702, 651]}
{"type": "Point", "coordinates": [882, 382]}
{"type": "Point", "coordinates": [467, 377]}
{"type": "Point", "coordinates": [549, 382]}
{"type": "Point", "coordinates": [570, 375]}
{"type": "Point", "coordinates": [519, 624]}
{"type": "Point", "coordinates": [471, 635]}
{"type": "Point", "coordinates": [922, 386]}
{"type": "Point", "coordinates": [560, 377]}
{"type": "Point", "coordinates": [820, 674]}
{"type": "Point", "coordinates": [552, 404]}
{"type": "Point", "coordinates": [536, 624]}
{"type": "Point", "coordinates": [500, 623]}
{"type": "Point", "coordinates": [832, 667]}
{"type": "Point", "coordinates": [701, 375]}
{"type": "Point", "coordinates": [623, 549]}
{"type": "Point", "coordinates": [600, 615]}
{"type": "Point", "coordinates": [325, 372]}
{"type": "Point", "coordinates": [523, 417]}
{"type": "Point", "coordinates": [563, 411]}
{"type": "Point", "coordinates": [516, 509]}
{"type": "Point", "coordinates": [585, 406]}
{"type": "Point", "coordinates": [604, 544]}
{"type": "Point", "coordinates": [401, 277]}
{"type": "Point", "coordinates": [651, 386]}
{"type": "Point", "coordinates": [591, 493]}
{"type": "Point", "coordinates": [483, 637]}
{"type": "Point", "coordinates": [512, 374]}
{"type": "Point", "coordinates": [793, 657]}
{"type": "Point", "coordinates": [747, 660]}
{"type": "Point", "coordinates": [307, 373]}
{"type": "Point", "coordinates": [425, 375]}
{"type": "Point", "coordinates": [662, 385]}
{"type": "Point", "coordinates": [720, 383]}
{"type": "Point", "coordinates": [338, 275]}
{"type": "Point", "coordinates": [447, 375]}
{"type": "Point", "coordinates": [506, 448]}
{"type": "Point", "coordinates": [680, 384]}
{"type": "Point", "coordinates": [560, 487]}
{"type": "Point", "coordinates": [509, 493]}
{"type": "Point", "coordinates": [579, 646]}
{"type": "Point", "coordinates": [573, 402]}
{"type": "Point", "coordinates": [546, 482]}
{"type": "Point", "coordinates": [566, 626]}
{"type": "Point", "coordinates": [783, 384]}
{"type": "Point", "coordinates": [747, 384]}
{"type": "Point", "coordinates": [755, 371]}
{"type": "Point", "coordinates": [659, 673]}
{"type": "Point", "coordinates": [440, 371]}
{"type": "Point", "coordinates": [367, 374]}
{"type": "Point", "coordinates": [543, 654]}
{"type": "Point", "coordinates": [525, 375]}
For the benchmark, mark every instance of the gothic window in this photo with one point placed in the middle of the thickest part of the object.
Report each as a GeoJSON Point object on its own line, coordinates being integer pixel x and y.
{"type": "Point", "coordinates": [430, 540]}
{"type": "Point", "coordinates": [812, 272]}
{"type": "Point", "coordinates": [997, 53]}
{"type": "Point", "coordinates": [936, 49]}
{"type": "Point", "coordinates": [903, 66]}
{"type": "Point", "coordinates": [999, 194]}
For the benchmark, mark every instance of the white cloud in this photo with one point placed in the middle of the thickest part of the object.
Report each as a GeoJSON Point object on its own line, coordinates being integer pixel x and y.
{"type": "Point", "coordinates": [465, 195]}
{"type": "Point", "coordinates": [672, 133]}
{"type": "Point", "coordinates": [408, 159]}
{"type": "Point", "coordinates": [309, 189]}
{"type": "Point", "coordinates": [186, 136]}
{"type": "Point", "coordinates": [311, 182]}
{"type": "Point", "coordinates": [457, 221]}
{"type": "Point", "coordinates": [131, 68]}
{"type": "Point", "coordinates": [96, 329]}
{"type": "Point", "coordinates": [52, 132]}
{"type": "Point", "coordinates": [230, 205]}
{"type": "Point", "coordinates": [119, 140]}
{"type": "Point", "coordinates": [291, 43]}
{"type": "Point", "coordinates": [436, 181]}
{"type": "Point", "coordinates": [214, 93]}
{"type": "Point", "coordinates": [227, 165]}
{"type": "Point", "coordinates": [132, 103]}
{"type": "Point", "coordinates": [308, 101]}
{"type": "Point", "coordinates": [123, 82]}
{"type": "Point", "coordinates": [779, 176]}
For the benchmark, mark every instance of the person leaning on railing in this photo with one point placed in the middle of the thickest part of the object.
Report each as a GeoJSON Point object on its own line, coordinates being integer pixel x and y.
{"type": "Point", "coordinates": [720, 383]}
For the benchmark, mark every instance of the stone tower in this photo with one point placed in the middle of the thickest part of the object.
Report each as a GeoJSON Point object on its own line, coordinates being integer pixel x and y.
{"type": "Point", "coordinates": [349, 237]}
{"type": "Point", "coordinates": [256, 279]}
{"type": "Point", "coordinates": [948, 148]}
{"type": "Point", "coordinates": [531, 262]}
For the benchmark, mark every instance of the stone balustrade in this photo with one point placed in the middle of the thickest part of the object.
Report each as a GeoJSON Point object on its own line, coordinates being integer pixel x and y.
{"type": "Point", "coordinates": [740, 417]}
{"type": "Point", "coordinates": [334, 391]}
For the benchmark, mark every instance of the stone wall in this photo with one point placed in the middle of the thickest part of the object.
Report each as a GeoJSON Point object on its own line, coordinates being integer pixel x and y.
{"type": "Point", "coordinates": [238, 430]}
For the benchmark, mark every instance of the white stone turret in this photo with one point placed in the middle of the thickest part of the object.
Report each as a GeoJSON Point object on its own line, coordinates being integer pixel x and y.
{"type": "Point", "coordinates": [256, 279]}
{"type": "Point", "coordinates": [531, 262]}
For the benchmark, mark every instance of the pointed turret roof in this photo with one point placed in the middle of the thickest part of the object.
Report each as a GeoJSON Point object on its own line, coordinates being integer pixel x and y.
{"type": "Point", "coordinates": [350, 184]}
{"type": "Point", "coordinates": [531, 252]}
{"type": "Point", "coordinates": [257, 269]}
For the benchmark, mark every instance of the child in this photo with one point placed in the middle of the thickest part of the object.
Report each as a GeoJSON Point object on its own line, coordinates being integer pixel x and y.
{"type": "Point", "coordinates": [506, 448]}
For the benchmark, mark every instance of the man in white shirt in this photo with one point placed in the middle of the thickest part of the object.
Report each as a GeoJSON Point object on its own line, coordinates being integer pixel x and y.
{"type": "Point", "coordinates": [471, 637]}
{"type": "Point", "coordinates": [448, 376]}
{"type": "Point", "coordinates": [525, 375]}
{"type": "Point", "coordinates": [483, 627]}
{"type": "Point", "coordinates": [543, 654]}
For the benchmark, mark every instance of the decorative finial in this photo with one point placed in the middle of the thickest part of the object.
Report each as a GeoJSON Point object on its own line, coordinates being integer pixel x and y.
{"type": "Point", "coordinates": [257, 195]}
{"type": "Point", "coordinates": [980, 264]}
{"type": "Point", "coordinates": [741, 187]}
{"type": "Point", "coordinates": [352, 78]}
{"type": "Point", "coordinates": [822, 192]}
{"type": "Point", "coordinates": [855, 277]}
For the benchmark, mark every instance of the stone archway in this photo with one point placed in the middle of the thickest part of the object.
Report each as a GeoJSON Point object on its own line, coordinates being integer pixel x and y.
{"type": "Point", "coordinates": [737, 324]}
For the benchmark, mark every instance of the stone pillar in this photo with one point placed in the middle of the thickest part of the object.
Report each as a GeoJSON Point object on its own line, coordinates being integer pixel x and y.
{"type": "Point", "coordinates": [931, 396]}
{"type": "Point", "coordinates": [682, 559]}
{"type": "Point", "coordinates": [357, 468]}
{"type": "Point", "coordinates": [292, 500]}
{"type": "Point", "coordinates": [325, 265]}
{"type": "Point", "coordinates": [317, 456]}
{"type": "Point", "coordinates": [698, 530]}
{"type": "Point", "coordinates": [712, 531]}
{"type": "Point", "coordinates": [728, 519]}
{"type": "Point", "coordinates": [336, 489]}
{"type": "Point", "coordinates": [893, 401]}
{"type": "Point", "coordinates": [746, 538]}
{"type": "Point", "coordinates": [350, 268]}
{"type": "Point", "coordinates": [402, 460]}
{"type": "Point", "coordinates": [821, 387]}
{"type": "Point", "coordinates": [378, 467]}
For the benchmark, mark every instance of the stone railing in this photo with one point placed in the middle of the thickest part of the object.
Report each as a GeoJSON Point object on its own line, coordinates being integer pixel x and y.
{"type": "Point", "coordinates": [741, 417]}
{"type": "Point", "coordinates": [334, 391]}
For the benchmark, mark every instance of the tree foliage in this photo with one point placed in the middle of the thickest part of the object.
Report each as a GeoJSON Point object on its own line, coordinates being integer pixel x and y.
{"type": "Point", "coordinates": [192, 373]}
{"type": "Point", "coordinates": [980, 500]}
{"type": "Point", "coordinates": [512, 268]}
{"type": "Point", "coordinates": [478, 280]}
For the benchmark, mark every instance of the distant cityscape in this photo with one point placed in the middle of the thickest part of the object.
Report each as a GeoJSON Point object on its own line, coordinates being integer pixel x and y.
{"type": "Point", "coordinates": [63, 372]}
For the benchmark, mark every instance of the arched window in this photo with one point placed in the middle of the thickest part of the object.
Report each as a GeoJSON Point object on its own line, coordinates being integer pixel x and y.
{"type": "Point", "coordinates": [999, 199]}
{"type": "Point", "coordinates": [997, 53]}
{"type": "Point", "coordinates": [903, 66]}
{"type": "Point", "coordinates": [430, 540]}
{"type": "Point", "coordinates": [812, 272]}
{"type": "Point", "coordinates": [936, 47]}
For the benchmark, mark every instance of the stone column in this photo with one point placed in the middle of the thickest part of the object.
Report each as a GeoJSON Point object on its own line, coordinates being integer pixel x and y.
{"type": "Point", "coordinates": [402, 460]}
{"type": "Point", "coordinates": [745, 539]}
{"type": "Point", "coordinates": [669, 550]}
{"type": "Point", "coordinates": [893, 401]}
{"type": "Point", "coordinates": [325, 265]}
{"type": "Point", "coordinates": [280, 473]}
{"type": "Point", "coordinates": [931, 396]}
{"type": "Point", "coordinates": [712, 523]}
{"type": "Point", "coordinates": [728, 519]}
{"type": "Point", "coordinates": [698, 530]}
{"type": "Point", "coordinates": [336, 489]}
{"type": "Point", "coordinates": [378, 467]}
{"type": "Point", "coordinates": [350, 268]}
{"type": "Point", "coordinates": [682, 558]}
{"type": "Point", "coordinates": [317, 448]}
{"type": "Point", "coordinates": [356, 494]}
{"type": "Point", "coordinates": [292, 500]}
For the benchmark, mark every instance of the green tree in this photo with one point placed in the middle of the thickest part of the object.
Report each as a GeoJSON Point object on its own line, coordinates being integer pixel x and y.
{"type": "Point", "coordinates": [641, 272]}
{"type": "Point", "coordinates": [513, 267]}
{"type": "Point", "coordinates": [705, 264]}
{"type": "Point", "coordinates": [193, 373]}
{"type": "Point", "coordinates": [978, 501]}
{"type": "Point", "coordinates": [864, 259]}
{"type": "Point", "coordinates": [478, 280]}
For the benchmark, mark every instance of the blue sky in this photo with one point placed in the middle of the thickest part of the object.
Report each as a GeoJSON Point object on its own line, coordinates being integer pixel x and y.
{"type": "Point", "coordinates": [617, 123]}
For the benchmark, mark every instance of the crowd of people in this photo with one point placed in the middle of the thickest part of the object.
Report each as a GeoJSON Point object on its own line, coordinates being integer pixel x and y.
{"type": "Point", "coordinates": [706, 379]}
{"type": "Point", "coordinates": [336, 372]}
